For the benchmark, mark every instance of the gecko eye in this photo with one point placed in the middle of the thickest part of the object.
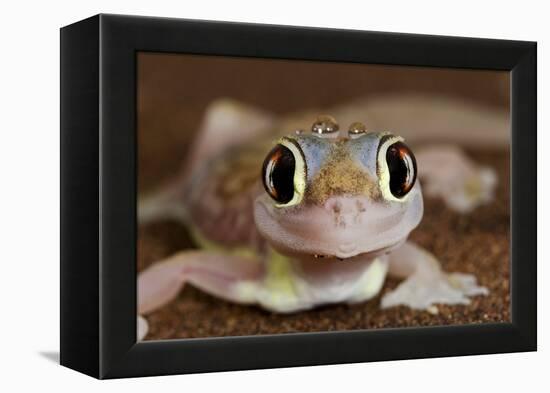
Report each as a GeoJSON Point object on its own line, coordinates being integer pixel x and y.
{"type": "Point", "coordinates": [402, 167]}
{"type": "Point", "coordinates": [283, 173]}
{"type": "Point", "coordinates": [397, 168]}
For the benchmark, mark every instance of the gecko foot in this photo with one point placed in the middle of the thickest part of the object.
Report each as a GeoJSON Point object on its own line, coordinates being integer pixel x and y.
{"type": "Point", "coordinates": [142, 328]}
{"type": "Point", "coordinates": [449, 174]}
{"type": "Point", "coordinates": [422, 292]}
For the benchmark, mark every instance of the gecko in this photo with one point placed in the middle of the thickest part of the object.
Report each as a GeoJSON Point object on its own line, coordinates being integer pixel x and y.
{"type": "Point", "coordinates": [288, 217]}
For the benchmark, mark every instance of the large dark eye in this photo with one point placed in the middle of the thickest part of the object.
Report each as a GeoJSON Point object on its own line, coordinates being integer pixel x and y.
{"type": "Point", "coordinates": [278, 174]}
{"type": "Point", "coordinates": [402, 169]}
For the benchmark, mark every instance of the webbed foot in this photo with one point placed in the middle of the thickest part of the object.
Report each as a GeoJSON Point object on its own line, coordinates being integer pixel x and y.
{"type": "Point", "coordinates": [422, 293]}
{"type": "Point", "coordinates": [142, 328]}
{"type": "Point", "coordinates": [426, 284]}
{"type": "Point", "coordinates": [446, 172]}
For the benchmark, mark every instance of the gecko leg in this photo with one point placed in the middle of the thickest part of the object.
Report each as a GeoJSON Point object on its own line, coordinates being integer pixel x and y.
{"type": "Point", "coordinates": [225, 123]}
{"type": "Point", "coordinates": [425, 282]}
{"type": "Point", "coordinates": [448, 173]}
{"type": "Point", "coordinates": [229, 277]}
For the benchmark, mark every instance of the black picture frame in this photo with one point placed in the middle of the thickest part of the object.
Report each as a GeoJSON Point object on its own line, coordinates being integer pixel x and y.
{"type": "Point", "coordinates": [98, 196]}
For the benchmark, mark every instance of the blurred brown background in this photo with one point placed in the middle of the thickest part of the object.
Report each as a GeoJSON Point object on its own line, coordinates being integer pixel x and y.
{"type": "Point", "coordinates": [173, 92]}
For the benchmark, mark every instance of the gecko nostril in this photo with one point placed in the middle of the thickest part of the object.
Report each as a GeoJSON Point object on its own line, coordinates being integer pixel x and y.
{"type": "Point", "coordinates": [334, 206]}
{"type": "Point", "coordinates": [346, 207]}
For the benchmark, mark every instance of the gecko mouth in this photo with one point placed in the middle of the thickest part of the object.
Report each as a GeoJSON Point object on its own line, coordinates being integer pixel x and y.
{"type": "Point", "coordinates": [312, 230]}
{"type": "Point", "coordinates": [367, 254]}
{"type": "Point", "coordinates": [346, 248]}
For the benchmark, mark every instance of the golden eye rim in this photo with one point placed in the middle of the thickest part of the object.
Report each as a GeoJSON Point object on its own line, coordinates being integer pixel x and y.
{"type": "Point", "coordinates": [300, 172]}
{"type": "Point", "coordinates": [387, 139]}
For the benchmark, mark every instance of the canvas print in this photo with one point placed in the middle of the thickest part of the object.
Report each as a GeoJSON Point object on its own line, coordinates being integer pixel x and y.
{"type": "Point", "coordinates": [286, 196]}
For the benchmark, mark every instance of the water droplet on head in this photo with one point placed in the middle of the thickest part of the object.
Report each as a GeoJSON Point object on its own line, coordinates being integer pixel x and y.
{"type": "Point", "coordinates": [356, 129]}
{"type": "Point", "coordinates": [325, 125]}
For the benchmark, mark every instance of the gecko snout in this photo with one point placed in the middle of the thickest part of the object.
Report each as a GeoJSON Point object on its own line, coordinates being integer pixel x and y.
{"type": "Point", "coordinates": [346, 210]}
{"type": "Point", "coordinates": [345, 205]}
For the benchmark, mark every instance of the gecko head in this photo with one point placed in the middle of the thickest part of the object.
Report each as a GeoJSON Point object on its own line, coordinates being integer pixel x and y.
{"type": "Point", "coordinates": [334, 195]}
